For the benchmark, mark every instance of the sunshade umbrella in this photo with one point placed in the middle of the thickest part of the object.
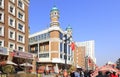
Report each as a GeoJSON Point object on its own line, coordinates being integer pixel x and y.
{"type": "Point", "coordinates": [26, 64]}
{"type": "Point", "coordinates": [10, 63]}
{"type": "Point", "coordinates": [46, 68]}
{"type": "Point", "coordinates": [78, 66]}
{"type": "Point", "coordinates": [56, 69]}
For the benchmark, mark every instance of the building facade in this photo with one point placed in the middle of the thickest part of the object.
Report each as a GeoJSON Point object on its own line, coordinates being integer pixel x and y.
{"type": "Point", "coordinates": [14, 31]}
{"type": "Point", "coordinates": [14, 24]}
{"type": "Point", "coordinates": [89, 57]}
{"type": "Point", "coordinates": [49, 45]}
{"type": "Point", "coordinates": [79, 57]}
{"type": "Point", "coordinates": [89, 48]}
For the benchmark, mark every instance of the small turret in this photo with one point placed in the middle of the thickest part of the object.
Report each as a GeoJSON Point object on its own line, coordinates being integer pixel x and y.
{"type": "Point", "coordinates": [69, 30]}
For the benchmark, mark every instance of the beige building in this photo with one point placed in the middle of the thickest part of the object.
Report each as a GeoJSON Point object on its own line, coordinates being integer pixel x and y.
{"type": "Point", "coordinates": [49, 46]}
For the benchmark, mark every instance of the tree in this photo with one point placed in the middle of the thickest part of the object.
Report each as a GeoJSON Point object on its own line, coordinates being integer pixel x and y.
{"type": "Point", "coordinates": [72, 68]}
{"type": "Point", "coordinates": [8, 69]}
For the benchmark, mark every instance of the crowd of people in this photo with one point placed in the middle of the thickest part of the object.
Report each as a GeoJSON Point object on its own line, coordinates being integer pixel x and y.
{"type": "Point", "coordinates": [81, 73]}
{"type": "Point", "coordinates": [107, 74]}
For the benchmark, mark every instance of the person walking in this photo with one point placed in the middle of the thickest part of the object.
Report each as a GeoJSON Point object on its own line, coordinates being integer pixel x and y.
{"type": "Point", "coordinates": [77, 73]}
{"type": "Point", "coordinates": [65, 74]}
{"type": "Point", "coordinates": [81, 73]}
{"type": "Point", "coordinates": [100, 74]}
{"type": "Point", "coordinates": [72, 74]}
{"type": "Point", "coordinates": [107, 74]}
{"type": "Point", "coordinates": [114, 74]}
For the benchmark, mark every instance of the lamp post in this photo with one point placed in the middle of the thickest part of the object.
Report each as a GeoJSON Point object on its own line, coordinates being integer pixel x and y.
{"type": "Point", "coordinates": [36, 69]}
{"type": "Point", "coordinates": [86, 63]}
{"type": "Point", "coordinates": [36, 61]}
{"type": "Point", "coordinates": [67, 38]}
{"type": "Point", "coordinates": [65, 50]}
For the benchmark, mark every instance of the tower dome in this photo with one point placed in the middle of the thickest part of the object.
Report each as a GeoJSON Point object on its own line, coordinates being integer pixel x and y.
{"type": "Point", "coordinates": [54, 8]}
{"type": "Point", "coordinates": [69, 28]}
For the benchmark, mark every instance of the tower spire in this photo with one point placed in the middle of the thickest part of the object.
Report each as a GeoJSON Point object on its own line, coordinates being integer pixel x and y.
{"type": "Point", "coordinates": [54, 16]}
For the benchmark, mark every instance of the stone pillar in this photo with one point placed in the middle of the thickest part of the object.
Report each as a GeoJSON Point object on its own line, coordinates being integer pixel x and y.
{"type": "Point", "coordinates": [34, 64]}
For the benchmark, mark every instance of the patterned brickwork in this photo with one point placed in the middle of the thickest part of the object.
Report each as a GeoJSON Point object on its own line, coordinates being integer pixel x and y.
{"type": "Point", "coordinates": [54, 34]}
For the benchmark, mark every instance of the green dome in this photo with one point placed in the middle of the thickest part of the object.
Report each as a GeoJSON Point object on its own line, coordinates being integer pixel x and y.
{"type": "Point", "coordinates": [54, 9]}
{"type": "Point", "coordinates": [69, 28]}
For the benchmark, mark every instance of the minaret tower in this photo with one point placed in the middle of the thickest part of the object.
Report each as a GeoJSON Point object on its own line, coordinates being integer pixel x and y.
{"type": "Point", "coordinates": [55, 33]}
{"type": "Point", "coordinates": [54, 17]}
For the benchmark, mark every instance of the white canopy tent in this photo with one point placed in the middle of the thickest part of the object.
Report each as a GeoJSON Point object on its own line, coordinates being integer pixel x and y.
{"type": "Point", "coordinates": [56, 69]}
{"type": "Point", "coordinates": [11, 63]}
{"type": "Point", "coordinates": [26, 64]}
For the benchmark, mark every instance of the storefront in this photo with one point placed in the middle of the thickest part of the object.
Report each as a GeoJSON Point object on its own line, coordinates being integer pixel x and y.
{"type": "Point", "coordinates": [23, 60]}
{"type": "Point", "coordinates": [3, 55]}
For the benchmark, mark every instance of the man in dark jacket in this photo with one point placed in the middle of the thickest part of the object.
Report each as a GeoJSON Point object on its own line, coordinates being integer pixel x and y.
{"type": "Point", "coordinates": [72, 74]}
{"type": "Point", "coordinates": [100, 74]}
{"type": "Point", "coordinates": [107, 74]}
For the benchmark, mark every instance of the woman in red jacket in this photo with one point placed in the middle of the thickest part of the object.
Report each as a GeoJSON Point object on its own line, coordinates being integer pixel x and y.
{"type": "Point", "coordinates": [114, 74]}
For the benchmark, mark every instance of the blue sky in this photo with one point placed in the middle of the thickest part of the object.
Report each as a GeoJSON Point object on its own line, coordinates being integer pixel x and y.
{"type": "Point", "coordinates": [97, 20]}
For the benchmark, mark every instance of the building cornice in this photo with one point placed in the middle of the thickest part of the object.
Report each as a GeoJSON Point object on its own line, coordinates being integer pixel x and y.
{"type": "Point", "coordinates": [46, 31]}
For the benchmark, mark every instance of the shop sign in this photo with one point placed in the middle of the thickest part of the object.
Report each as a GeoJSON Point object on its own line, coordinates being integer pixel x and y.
{"type": "Point", "coordinates": [23, 55]}
{"type": "Point", "coordinates": [44, 55]}
{"type": "Point", "coordinates": [3, 50]}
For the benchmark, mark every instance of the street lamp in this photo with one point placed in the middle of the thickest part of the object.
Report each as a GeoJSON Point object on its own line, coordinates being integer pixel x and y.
{"type": "Point", "coordinates": [36, 69]}
{"type": "Point", "coordinates": [67, 38]}
{"type": "Point", "coordinates": [36, 60]}
{"type": "Point", "coordinates": [86, 63]}
{"type": "Point", "coordinates": [65, 50]}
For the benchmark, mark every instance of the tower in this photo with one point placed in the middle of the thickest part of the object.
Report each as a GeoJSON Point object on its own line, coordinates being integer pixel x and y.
{"type": "Point", "coordinates": [55, 32]}
{"type": "Point", "coordinates": [54, 17]}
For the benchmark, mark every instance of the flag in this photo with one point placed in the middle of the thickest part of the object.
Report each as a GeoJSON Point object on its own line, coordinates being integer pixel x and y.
{"type": "Point", "coordinates": [72, 46]}
{"type": "Point", "coordinates": [89, 60]}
